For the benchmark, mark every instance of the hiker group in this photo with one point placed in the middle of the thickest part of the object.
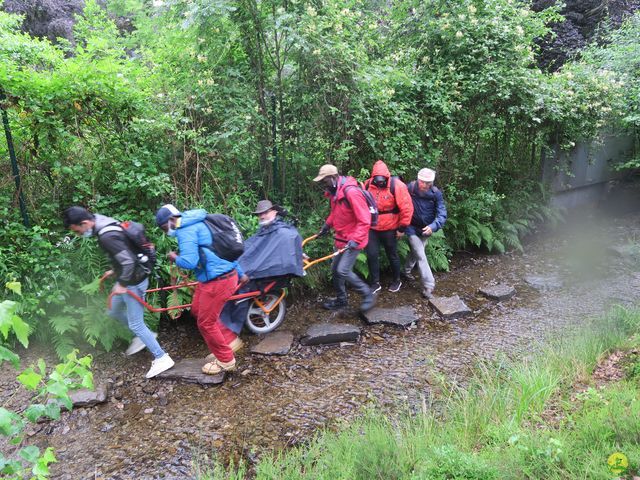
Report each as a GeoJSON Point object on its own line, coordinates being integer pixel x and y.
{"type": "Point", "coordinates": [362, 217]}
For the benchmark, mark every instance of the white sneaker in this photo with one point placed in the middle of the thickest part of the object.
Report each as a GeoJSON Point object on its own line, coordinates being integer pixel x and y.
{"type": "Point", "coordinates": [159, 365]}
{"type": "Point", "coordinates": [136, 345]}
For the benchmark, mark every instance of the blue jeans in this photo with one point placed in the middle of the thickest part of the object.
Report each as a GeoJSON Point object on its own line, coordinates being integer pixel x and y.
{"type": "Point", "coordinates": [130, 313]}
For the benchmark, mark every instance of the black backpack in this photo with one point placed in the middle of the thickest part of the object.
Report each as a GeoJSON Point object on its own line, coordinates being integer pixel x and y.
{"type": "Point", "coordinates": [371, 202]}
{"type": "Point", "coordinates": [392, 188]}
{"type": "Point", "coordinates": [228, 243]}
{"type": "Point", "coordinates": [144, 250]}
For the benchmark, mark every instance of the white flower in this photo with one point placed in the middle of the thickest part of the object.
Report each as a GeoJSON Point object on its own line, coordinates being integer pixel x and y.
{"type": "Point", "coordinates": [472, 8]}
{"type": "Point", "coordinates": [311, 11]}
{"type": "Point", "coordinates": [459, 34]}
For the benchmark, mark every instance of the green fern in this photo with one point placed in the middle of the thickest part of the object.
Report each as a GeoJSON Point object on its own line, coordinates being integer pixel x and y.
{"type": "Point", "coordinates": [498, 246]}
{"type": "Point", "coordinates": [62, 324]}
{"type": "Point", "coordinates": [473, 232]}
{"type": "Point", "coordinates": [63, 344]}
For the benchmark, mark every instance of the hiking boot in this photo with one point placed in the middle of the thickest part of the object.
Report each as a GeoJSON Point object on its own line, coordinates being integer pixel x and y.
{"type": "Point", "coordinates": [159, 365]}
{"type": "Point", "coordinates": [375, 287]}
{"type": "Point", "coordinates": [334, 304]}
{"type": "Point", "coordinates": [368, 302]}
{"type": "Point", "coordinates": [215, 367]}
{"type": "Point", "coordinates": [395, 286]}
{"type": "Point", "coordinates": [408, 276]}
{"type": "Point", "coordinates": [136, 345]}
{"type": "Point", "coordinates": [427, 293]}
{"type": "Point", "coordinates": [235, 345]}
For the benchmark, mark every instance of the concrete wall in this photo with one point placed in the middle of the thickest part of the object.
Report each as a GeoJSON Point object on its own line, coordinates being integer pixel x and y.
{"type": "Point", "coordinates": [580, 176]}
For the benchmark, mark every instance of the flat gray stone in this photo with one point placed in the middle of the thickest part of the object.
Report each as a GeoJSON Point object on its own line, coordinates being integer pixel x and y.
{"type": "Point", "coordinates": [89, 398]}
{"type": "Point", "coordinates": [498, 292]}
{"type": "Point", "coordinates": [190, 370]}
{"type": "Point", "coordinates": [544, 282]}
{"type": "Point", "coordinates": [328, 333]}
{"type": "Point", "coordinates": [450, 307]}
{"type": "Point", "coordinates": [274, 343]}
{"type": "Point", "coordinates": [401, 316]}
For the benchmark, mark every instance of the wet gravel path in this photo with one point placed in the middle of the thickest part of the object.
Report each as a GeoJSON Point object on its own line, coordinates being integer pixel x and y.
{"type": "Point", "coordinates": [149, 429]}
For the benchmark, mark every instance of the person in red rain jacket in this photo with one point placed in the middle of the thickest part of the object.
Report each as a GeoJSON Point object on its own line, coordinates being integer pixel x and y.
{"type": "Point", "coordinates": [395, 209]}
{"type": "Point", "coordinates": [350, 218]}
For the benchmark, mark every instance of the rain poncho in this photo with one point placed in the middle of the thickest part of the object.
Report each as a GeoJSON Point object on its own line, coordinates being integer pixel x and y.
{"type": "Point", "coordinates": [274, 251]}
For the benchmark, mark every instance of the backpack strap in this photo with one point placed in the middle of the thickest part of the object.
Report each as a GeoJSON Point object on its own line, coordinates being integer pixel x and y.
{"type": "Point", "coordinates": [110, 228]}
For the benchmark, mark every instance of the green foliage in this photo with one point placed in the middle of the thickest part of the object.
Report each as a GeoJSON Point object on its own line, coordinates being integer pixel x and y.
{"type": "Point", "coordinates": [51, 391]}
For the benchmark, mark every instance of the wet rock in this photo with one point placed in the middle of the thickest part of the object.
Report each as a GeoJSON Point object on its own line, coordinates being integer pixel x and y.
{"type": "Point", "coordinates": [89, 398]}
{"type": "Point", "coordinates": [328, 333]}
{"type": "Point", "coordinates": [402, 316]}
{"type": "Point", "coordinates": [498, 292]}
{"type": "Point", "coordinates": [544, 282]}
{"type": "Point", "coordinates": [190, 370]}
{"type": "Point", "coordinates": [275, 343]}
{"type": "Point", "coordinates": [450, 307]}
{"type": "Point", "coordinates": [150, 388]}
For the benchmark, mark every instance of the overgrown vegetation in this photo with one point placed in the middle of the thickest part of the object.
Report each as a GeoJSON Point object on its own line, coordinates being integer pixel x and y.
{"type": "Point", "coordinates": [19, 460]}
{"type": "Point", "coordinates": [220, 103]}
{"type": "Point", "coordinates": [538, 417]}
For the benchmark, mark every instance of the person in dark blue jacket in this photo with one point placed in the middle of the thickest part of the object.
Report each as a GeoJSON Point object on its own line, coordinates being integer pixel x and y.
{"type": "Point", "coordinates": [429, 216]}
{"type": "Point", "coordinates": [217, 280]}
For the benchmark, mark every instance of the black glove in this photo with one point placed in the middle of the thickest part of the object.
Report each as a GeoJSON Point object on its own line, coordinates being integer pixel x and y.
{"type": "Point", "coordinates": [352, 245]}
{"type": "Point", "coordinates": [324, 230]}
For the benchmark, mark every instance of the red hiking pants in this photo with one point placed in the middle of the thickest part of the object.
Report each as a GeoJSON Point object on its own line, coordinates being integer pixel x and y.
{"type": "Point", "coordinates": [208, 301]}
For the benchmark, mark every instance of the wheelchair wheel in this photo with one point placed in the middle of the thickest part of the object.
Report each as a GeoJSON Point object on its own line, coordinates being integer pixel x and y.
{"type": "Point", "coordinates": [260, 321]}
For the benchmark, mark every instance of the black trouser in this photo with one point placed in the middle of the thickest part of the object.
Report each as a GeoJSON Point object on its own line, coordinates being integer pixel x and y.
{"type": "Point", "coordinates": [390, 243]}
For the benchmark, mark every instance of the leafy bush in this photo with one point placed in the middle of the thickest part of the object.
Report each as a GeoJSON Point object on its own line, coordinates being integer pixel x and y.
{"type": "Point", "coordinates": [51, 391]}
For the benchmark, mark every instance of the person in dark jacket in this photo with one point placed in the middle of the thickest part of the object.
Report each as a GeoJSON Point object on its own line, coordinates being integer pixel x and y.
{"type": "Point", "coordinates": [217, 281]}
{"type": "Point", "coordinates": [130, 277]}
{"type": "Point", "coordinates": [273, 253]}
{"type": "Point", "coordinates": [429, 216]}
{"type": "Point", "coordinates": [395, 209]}
{"type": "Point", "coordinates": [350, 218]}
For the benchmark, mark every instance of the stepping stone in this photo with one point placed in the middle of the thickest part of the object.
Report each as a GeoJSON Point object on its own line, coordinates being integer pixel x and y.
{"type": "Point", "coordinates": [89, 398]}
{"type": "Point", "coordinates": [328, 333]}
{"type": "Point", "coordinates": [498, 292]}
{"type": "Point", "coordinates": [544, 282]}
{"type": "Point", "coordinates": [450, 307]}
{"type": "Point", "coordinates": [400, 316]}
{"type": "Point", "coordinates": [274, 343]}
{"type": "Point", "coordinates": [190, 370]}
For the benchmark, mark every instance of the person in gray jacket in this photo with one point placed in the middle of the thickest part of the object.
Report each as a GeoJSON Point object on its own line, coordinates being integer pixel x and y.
{"type": "Point", "coordinates": [130, 276]}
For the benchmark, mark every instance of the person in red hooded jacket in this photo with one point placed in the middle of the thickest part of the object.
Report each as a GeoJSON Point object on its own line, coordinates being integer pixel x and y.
{"type": "Point", "coordinates": [395, 209]}
{"type": "Point", "coordinates": [350, 218]}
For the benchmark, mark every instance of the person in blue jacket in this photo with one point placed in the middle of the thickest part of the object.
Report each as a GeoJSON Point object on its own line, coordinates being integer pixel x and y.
{"type": "Point", "coordinates": [429, 216]}
{"type": "Point", "coordinates": [217, 280]}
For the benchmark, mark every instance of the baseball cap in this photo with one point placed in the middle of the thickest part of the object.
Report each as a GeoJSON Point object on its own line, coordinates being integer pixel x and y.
{"type": "Point", "coordinates": [165, 213]}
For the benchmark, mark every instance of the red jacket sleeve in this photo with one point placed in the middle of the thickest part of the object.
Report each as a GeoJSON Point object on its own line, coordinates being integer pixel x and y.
{"type": "Point", "coordinates": [405, 204]}
{"type": "Point", "coordinates": [362, 216]}
{"type": "Point", "coordinates": [329, 220]}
